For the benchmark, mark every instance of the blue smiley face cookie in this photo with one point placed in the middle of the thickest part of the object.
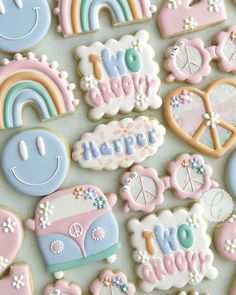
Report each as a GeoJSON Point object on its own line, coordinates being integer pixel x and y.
{"type": "Point", "coordinates": [23, 23]}
{"type": "Point", "coordinates": [35, 162]}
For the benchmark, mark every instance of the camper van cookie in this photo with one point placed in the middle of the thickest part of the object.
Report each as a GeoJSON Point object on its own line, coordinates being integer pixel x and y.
{"type": "Point", "coordinates": [33, 81]}
{"type": "Point", "coordinates": [119, 143]}
{"type": "Point", "coordinates": [204, 119]}
{"type": "Point", "coordinates": [119, 76]}
{"type": "Point", "coordinates": [61, 287]}
{"type": "Point", "coordinates": [112, 283]}
{"type": "Point", "coordinates": [23, 23]}
{"type": "Point", "coordinates": [231, 174]}
{"type": "Point", "coordinates": [225, 238]}
{"type": "Point", "coordinates": [83, 233]}
{"type": "Point", "coordinates": [172, 249]}
{"type": "Point", "coordinates": [78, 17]}
{"type": "Point", "coordinates": [182, 17]}
{"type": "Point", "coordinates": [36, 161]}
{"type": "Point", "coordinates": [11, 237]}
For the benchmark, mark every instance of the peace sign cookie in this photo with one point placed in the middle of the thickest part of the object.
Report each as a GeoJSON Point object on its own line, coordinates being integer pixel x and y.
{"type": "Point", "coordinates": [204, 119]}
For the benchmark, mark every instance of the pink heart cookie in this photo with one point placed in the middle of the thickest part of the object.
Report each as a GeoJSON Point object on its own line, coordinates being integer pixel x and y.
{"type": "Point", "coordinates": [11, 237]}
{"type": "Point", "coordinates": [62, 287]}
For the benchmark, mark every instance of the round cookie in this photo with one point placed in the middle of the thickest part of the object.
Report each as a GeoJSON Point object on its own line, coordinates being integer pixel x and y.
{"type": "Point", "coordinates": [35, 162]}
{"type": "Point", "coordinates": [230, 174]}
{"type": "Point", "coordinates": [23, 23]}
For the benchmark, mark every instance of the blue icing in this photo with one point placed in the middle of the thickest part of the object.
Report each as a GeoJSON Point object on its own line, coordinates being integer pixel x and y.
{"type": "Point", "coordinates": [35, 162]}
{"type": "Point", "coordinates": [166, 239]}
{"type": "Point", "coordinates": [114, 64]}
{"type": "Point", "coordinates": [231, 174]}
{"type": "Point", "coordinates": [23, 23]}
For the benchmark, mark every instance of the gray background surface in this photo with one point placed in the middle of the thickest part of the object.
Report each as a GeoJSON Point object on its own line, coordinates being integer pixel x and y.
{"type": "Point", "coordinates": [72, 127]}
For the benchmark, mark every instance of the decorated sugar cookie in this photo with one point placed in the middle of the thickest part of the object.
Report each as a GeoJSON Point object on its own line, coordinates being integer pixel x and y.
{"type": "Point", "coordinates": [33, 81]}
{"type": "Point", "coordinates": [119, 76]}
{"type": "Point", "coordinates": [23, 23]}
{"type": "Point", "coordinates": [62, 287]}
{"type": "Point", "coordinates": [83, 233]}
{"type": "Point", "coordinates": [233, 288]}
{"type": "Point", "coordinates": [119, 143]}
{"type": "Point", "coordinates": [181, 17]}
{"type": "Point", "coordinates": [205, 119]}
{"type": "Point", "coordinates": [82, 16]}
{"type": "Point", "coordinates": [112, 283]}
{"type": "Point", "coordinates": [191, 293]}
{"type": "Point", "coordinates": [230, 174]}
{"type": "Point", "coordinates": [36, 161]}
{"type": "Point", "coordinates": [171, 249]}
{"type": "Point", "coordinates": [225, 238]}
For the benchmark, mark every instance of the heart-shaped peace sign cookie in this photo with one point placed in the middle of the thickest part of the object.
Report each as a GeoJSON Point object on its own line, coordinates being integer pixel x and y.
{"type": "Point", "coordinates": [204, 119]}
{"type": "Point", "coordinates": [11, 237]}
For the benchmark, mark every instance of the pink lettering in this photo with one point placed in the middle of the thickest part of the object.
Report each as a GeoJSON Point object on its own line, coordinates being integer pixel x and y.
{"type": "Point", "coordinates": [106, 91]}
{"type": "Point", "coordinates": [96, 98]}
{"type": "Point", "coordinates": [149, 274]}
{"type": "Point", "coordinates": [180, 261]}
{"type": "Point", "coordinates": [203, 258]}
{"type": "Point", "coordinates": [128, 85]}
{"type": "Point", "coordinates": [169, 264]}
{"type": "Point", "coordinates": [151, 86]}
{"type": "Point", "coordinates": [159, 269]}
{"type": "Point", "coordinates": [138, 82]}
{"type": "Point", "coordinates": [116, 87]}
{"type": "Point", "coordinates": [191, 258]}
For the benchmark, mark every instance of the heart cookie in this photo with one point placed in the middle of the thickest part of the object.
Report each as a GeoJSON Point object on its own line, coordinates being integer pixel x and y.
{"type": "Point", "coordinates": [204, 119]}
{"type": "Point", "coordinates": [11, 237]}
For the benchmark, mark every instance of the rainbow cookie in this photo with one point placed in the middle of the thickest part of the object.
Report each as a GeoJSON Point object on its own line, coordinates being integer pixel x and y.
{"type": "Point", "coordinates": [119, 76]}
{"type": "Point", "coordinates": [172, 249]}
{"type": "Point", "coordinates": [204, 119]}
{"type": "Point", "coordinates": [110, 282]}
{"type": "Point", "coordinates": [61, 287]}
{"type": "Point", "coordinates": [82, 16]}
{"type": "Point", "coordinates": [23, 23]}
{"type": "Point", "coordinates": [84, 233]}
{"type": "Point", "coordinates": [119, 143]}
{"type": "Point", "coordinates": [181, 17]}
{"type": "Point", "coordinates": [31, 80]}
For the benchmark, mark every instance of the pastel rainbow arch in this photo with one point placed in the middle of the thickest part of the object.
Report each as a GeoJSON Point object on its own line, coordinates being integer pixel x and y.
{"type": "Point", "coordinates": [30, 80]}
{"type": "Point", "coordinates": [82, 16]}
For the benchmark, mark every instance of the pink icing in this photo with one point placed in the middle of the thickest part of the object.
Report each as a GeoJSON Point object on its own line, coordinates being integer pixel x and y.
{"type": "Point", "coordinates": [65, 16]}
{"type": "Point", "coordinates": [64, 287]}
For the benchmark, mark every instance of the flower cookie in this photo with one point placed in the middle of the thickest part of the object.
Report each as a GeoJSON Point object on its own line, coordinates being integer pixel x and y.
{"type": "Point", "coordinates": [119, 143]}
{"type": "Point", "coordinates": [230, 174]}
{"type": "Point", "coordinates": [83, 233]}
{"type": "Point", "coordinates": [23, 23]}
{"type": "Point", "coordinates": [33, 81]}
{"type": "Point", "coordinates": [191, 293]}
{"type": "Point", "coordinates": [62, 287]}
{"type": "Point", "coordinates": [112, 283]}
{"type": "Point", "coordinates": [119, 76]}
{"type": "Point", "coordinates": [181, 17]}
{"type": "Point", "coordinates": [172, 249]}
{"type": "Point", "coordinates": [78, 17]}
{"type": "Point", "coordinates": [225, 238]}
{"type": "Point", "coordinates": [36, 161]}
{"type": "Point", "coordinates": [204, 119]}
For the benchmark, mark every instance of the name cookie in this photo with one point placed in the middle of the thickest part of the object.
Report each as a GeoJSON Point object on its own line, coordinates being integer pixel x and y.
{"type": "Point", "coordinates": [62, 287]}
{"type": "Point", "coordinates": [78, 17]}
{"type": "Point", "coordinates": [230, 174]}
{"type": "Point", "coordinates": [36, 161]}
{"type": "Point", "coordinates": [23, 23]}
{"type": "Point", "coordinates": [119, 143]}
{"type": "Point", "coordinates": [112, 283]}
{"type": "Point", "coordinates": [172, 249]}
{"type": "Point", "coordinates": [181, 17]}
{"type": "Point", "coordinates": [204, 119]}
{"type": "Point", "coordinates": [33, 81]}
{"type": "Point", "coordinates": [83, 233]}
{"type": "Point", "coordinates": [119, 76]}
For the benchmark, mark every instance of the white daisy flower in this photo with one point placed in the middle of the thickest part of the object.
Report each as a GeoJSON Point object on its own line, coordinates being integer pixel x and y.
{"type": "Point", "coordinates": [194, 277]}
{"type": "Point", "coordinates": [214, 5]}
{"type": "Point", "coordinates": [90, 82]}
{"type": "Point", "coordinates": [18, 282]}
{"type": "Point", "coordinates": [212, 119]}
{"type": "Point", "coordinates": [174, 4]}
{"type": "Point", "coordinates": [142, 256]}
{"type": "Point", "coordinates": [230, 246]}
{"type": "Point", "coordinates": [46, 209]}
{"type": "Point", "coordinates": [193, 221]}
{"type": "Point", "coordinates": [3, 262]}
{"type": "Point", "coordinates": [44, 222]}
{"type": "Point", "coordinates": [9, 225]}
{"type": "Point", "coordinates": [140, 100]}
{"type": "Point", "coordinates": [190, 23]}
{"type": "Point", "coordinates": [137, 45]}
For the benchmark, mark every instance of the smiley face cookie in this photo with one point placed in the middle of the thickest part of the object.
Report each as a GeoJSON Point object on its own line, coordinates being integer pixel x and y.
{"type": "Point", "coordinates": [23, 23]}
{"type": "Point", "coordinates": [35, 162]}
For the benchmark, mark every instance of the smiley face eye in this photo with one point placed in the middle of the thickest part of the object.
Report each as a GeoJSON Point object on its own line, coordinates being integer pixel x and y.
{"type": "Point", "coordinates": [19, 4]}
{"type": "Point", "coordinates": [41, 146]}
{"type": "Point", "coordinates": [23, 150]}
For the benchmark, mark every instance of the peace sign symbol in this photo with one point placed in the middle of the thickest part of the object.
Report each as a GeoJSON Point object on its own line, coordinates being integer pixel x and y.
{"type": "Point", "coordinates": [75, 230]}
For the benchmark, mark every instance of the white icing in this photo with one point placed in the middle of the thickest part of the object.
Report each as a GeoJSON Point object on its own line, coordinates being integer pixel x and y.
{"type": "Point", "coordinates": [19, 3]}
{"type": "Point", "coordinates": [3, 262]}
{"type": "Point", "coordinates": [23, 150]}
{"type": "Point", "coordinates": [9, 226]}
{"type": "Point", "coordinates": [190, 23]}
{"type": "Point", "coordinates": [2, 7]}
{"type": "Point", "coordinates": [41, 146]}
{"type": "Point", "coordinates": [18, 282]}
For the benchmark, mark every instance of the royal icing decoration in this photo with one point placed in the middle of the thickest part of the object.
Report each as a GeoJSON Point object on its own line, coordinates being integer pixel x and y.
{"type": "Point", "coordinates": [23, 23]}
{"type": "Point", "coordinates": [178, 248]}
{"type": "Point", "coordinates": [33, 81]}
{"type": "Point", "coordinates": [225, 239]}
{"type": "Point", "coordinates": [230, 174]}
{"type": "Point", "coordinates": [119, 76]}
{"type": "Point", "coordinates": [191, 293]}
{"type": "Point", "coordinates": [207, 121]}
{"type": "Point", "coordinates": [62, 287]}
{"type": "Point", "coordinates": [35, 162]}
{"type": "Point", "coordinates": [218, 205]}
{"type": "Point", "coordinates": [79, 17]}
{"type": "Point", "coordinates": [119, 143]}
{"type": "Point", "coordinates": [83, 233]}
{"type": "Point", "coordinates": [181, 17]}
{"type": "Point", "coordinates": [112, 283]}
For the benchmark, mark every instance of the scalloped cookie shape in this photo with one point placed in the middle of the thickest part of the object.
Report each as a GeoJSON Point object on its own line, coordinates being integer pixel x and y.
{"type": "Point", "coordinates": [204, 119]}
{"type": "Point", "coordinates": [61, 287]}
